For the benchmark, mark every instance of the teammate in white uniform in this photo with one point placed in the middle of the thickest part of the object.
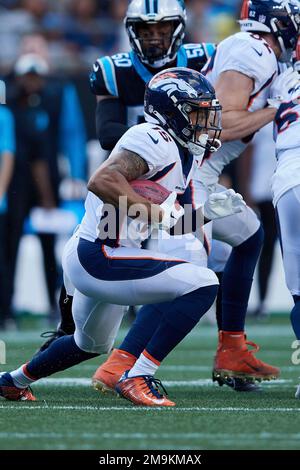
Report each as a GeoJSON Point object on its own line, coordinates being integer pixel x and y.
{"type": "Point", "coordinates": [242, 70]}
{"type": "Point", "coordinates": [107, 275]}
{"type": "Point", "coordinates": [286, 188]}
{"type": "Point", "coordinates": [260, 162]}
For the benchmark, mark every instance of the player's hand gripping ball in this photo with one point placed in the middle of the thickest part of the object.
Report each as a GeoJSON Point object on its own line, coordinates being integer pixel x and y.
{"type": "Point", "coordinates": [157, 194]}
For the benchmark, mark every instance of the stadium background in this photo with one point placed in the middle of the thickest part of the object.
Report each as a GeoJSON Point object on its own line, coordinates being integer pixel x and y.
{"type": "Point", "coordinates": [77, 33]}
{"type": "Point", "coordinates": [69, 414]}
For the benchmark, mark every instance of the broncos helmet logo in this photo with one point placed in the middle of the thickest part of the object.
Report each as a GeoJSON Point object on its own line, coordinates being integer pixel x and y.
{"type": "Point", "coordinates": [171, 85]}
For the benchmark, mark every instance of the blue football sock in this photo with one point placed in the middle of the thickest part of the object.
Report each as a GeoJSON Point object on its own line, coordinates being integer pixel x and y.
{"type": "Point", "coordinates": [237, 282]}
{"type": "Point", "coordinates": [142, 329]}
{"type": "Point", "coordinates": [219, 301]}
{"type": "Point", "coordinates": [295, 316]}
{"type": "Point", "coordinates": [179, 318]}
{"type": "Point", "coordinates": [61, 354]}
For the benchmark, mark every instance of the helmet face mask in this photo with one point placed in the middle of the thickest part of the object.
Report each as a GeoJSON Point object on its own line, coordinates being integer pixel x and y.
{"type": "Point", "coordinates": [168, 16]}
{"type": "Point", "coordinates": [154, 42]}
{"type": "Point", "coordinates": [204, 128]}
{"type": "Point", "coordinates": [280, 18]}
{"type": "Point", "coordinates": [183, 102]}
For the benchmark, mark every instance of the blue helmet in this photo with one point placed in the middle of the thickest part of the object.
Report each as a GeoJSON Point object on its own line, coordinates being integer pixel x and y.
{"type": "Point", "coordinates": [278, 17]}
{"type": "Point", "coordinates": [171, 99]}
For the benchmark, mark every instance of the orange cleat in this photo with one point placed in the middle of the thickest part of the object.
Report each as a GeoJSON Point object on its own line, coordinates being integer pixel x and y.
{"type": "Point", "coordinates": [234, 360]}
{"type": "Point", "coordinates": [142, 390]}
{"type": "Point", "coordinates": [10, 392]}
{"type": "Point", "coordinates": [109, 373]}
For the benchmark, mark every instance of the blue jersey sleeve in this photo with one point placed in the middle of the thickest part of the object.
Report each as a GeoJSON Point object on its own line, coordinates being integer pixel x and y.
{"type": "Point", "coordinates": [73, 133]}
{"type": "Point", "coordinates": [103, 81]}
{"type": "Point", "coordinates": [7, 131]}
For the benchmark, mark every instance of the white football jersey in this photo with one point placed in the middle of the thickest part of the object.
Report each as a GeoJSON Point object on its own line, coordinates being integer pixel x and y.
{"type": "Point", "coordinates": [169, 166]}
{"type": "Point", "coordinates": [287, 137]}
{"type": "Point", "coordinates": [263, 164]}
{"type": "Point", "coordinates": [250, 55]}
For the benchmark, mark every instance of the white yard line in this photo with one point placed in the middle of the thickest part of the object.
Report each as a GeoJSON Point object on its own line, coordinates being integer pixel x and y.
{"type": "Point", "coordinates": [199, 354]}
{"type": "Point", "coordinates": [83, 382]}
{"type": "Point", "coordinates": [126, 436]}
{"type": "Point", "coordinates": [204, 331]}
{"type": "Point", "coordinates": [173, 368]}
{"type": "Point", "coordinates": [188, 368]}
{"type": "Point", "coordinates": [20, 407]}
{"type": "Point", "coordinates": [86, 382]}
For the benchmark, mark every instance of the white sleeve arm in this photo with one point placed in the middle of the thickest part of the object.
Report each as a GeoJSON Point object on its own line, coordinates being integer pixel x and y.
{"type": "Point", "coordinates": [250, 57]}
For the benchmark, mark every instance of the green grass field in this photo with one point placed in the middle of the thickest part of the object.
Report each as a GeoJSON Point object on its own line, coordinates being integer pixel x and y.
{"type": "Point", "coordinates": [69, 414]}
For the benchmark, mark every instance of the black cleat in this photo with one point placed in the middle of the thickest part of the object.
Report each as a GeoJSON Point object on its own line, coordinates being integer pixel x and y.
{"type": "Point", "coordinates": [237, 384]}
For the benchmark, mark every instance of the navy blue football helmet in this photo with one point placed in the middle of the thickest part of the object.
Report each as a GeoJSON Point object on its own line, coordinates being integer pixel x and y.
{"type": "Point", "coordinates": [183, 102]}
{"type": "Point", "coordinates": [278, 17]}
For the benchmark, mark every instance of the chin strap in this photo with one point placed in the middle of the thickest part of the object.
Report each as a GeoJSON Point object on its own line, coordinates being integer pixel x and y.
{"type": "Point", "coordinates": [196, 149]}
{"type": "Point", "coordinates": [200, 147]}
{"type": "Point", "coordinates": [216, 146]}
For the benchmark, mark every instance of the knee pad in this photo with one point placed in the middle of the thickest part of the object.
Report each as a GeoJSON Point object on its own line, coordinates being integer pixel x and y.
{"type": "Point", "coordinates": [104, 348]}
{"type": "Point", "coordinates": [203, 277]}
{"type": "Point", "coordinates": [82, 343]}
{"type": "Point", "coordinates": [87, 344]}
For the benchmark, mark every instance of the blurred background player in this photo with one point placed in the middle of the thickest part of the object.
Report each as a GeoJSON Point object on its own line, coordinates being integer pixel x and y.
{"type": "Point", "coordinates": [48, 122]}
{"type": "Point", "coordinates": [7, 154]}
{"type": "Point", "coordinates": [242, 70]}
{"type": "Point", "coordinates": [119, 82]}
{"type": "Point", "coordinates": [286, 185]}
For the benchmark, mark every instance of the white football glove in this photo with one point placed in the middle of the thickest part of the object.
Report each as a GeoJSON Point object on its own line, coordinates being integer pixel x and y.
{"type": "Point", "coordinates": [223, 204]}
{"type": "Point", "coordinates": [172, 212]}
{"type": "Point", "coordinates": [282, 87]}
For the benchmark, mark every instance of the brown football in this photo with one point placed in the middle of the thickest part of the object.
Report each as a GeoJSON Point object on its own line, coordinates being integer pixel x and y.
{"type": "Point", "coordinates": [150, 190]}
